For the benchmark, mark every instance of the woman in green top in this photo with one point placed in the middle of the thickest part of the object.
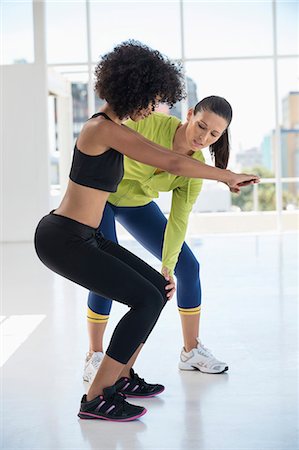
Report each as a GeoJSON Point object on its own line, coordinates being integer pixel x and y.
{"type": "Point", "coordinates": [132, 205]}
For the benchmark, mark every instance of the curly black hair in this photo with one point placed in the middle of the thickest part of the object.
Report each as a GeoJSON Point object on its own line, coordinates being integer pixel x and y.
{"type": "Point", "coordinates": [133, 75]}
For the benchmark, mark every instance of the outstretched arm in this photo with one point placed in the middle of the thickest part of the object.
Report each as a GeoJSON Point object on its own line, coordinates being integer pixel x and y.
{"type": "Point", "coordinates": [136, 147]}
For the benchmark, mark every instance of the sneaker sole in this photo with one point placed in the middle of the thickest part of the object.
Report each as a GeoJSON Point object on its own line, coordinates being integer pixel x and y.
{"type": "Point", "coordinates": [144, 396]}
{"type": "Point", "coordinates": [90, 416]}
{"type": "Point", "coordinates": [184, 366]}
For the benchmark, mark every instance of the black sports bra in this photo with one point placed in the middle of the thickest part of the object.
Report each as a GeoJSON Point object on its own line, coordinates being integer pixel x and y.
{"type": "Point", "coordinates": [102, 172]}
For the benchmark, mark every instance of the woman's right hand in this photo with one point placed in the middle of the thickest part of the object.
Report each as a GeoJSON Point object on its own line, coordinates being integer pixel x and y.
{"type": "Point", "coordinates": [171, 286]}
{"type": "Point", "coordinates": [238, 180]}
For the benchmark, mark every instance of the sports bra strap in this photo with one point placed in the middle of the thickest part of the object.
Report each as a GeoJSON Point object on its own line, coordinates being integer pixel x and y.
{"type": "Point", "coordinates": [100, 114]}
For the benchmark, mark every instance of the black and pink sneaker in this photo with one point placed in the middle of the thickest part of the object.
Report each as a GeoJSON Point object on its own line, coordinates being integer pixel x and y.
{"type": "Point", "coordinates": [137, 387]}
{"type": "Point", "coordinates": [110, 406]}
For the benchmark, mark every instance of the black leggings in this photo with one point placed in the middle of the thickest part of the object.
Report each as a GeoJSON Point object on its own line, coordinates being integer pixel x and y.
{"type": "Point", "coordinates": [81, 254]}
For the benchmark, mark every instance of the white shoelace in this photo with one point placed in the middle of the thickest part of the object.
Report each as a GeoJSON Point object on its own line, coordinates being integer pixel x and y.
{"type": "Point", "coordinates": [205, 350]}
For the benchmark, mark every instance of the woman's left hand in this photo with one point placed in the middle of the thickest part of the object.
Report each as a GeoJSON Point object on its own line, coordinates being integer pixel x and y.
{"type": "Point", "coordinates": [171, 286]}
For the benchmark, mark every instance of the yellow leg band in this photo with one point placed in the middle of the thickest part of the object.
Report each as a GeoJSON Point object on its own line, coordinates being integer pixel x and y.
{"type": "Point", "coordinates": [190, 311]}
{"type": "Point", "coordinates": [94, 317]}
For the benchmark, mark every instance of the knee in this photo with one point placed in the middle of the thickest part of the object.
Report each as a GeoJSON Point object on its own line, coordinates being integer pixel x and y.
{"type": "Point", "coordinates": [154, 301]}
{"type": "Point", "coordinates": [99, 304]}
{"type": "Point", "coordinates": [188, 268]}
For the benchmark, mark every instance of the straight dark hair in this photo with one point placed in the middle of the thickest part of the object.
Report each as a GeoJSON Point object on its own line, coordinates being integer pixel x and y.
{"type": "Point", "coordinates": [221, 148]}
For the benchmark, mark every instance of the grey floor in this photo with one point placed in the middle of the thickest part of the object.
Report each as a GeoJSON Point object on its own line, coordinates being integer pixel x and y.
{"type": "Point", "coordinates": [249, 319]}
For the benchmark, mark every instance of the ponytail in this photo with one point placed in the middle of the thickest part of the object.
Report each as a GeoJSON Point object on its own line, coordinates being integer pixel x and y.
{"type": "Point", "coordinates": [220, 150]}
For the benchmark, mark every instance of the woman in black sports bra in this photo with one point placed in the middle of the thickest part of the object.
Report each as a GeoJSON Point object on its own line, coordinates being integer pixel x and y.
{"type": "Point", "coordinates": [132, 79]}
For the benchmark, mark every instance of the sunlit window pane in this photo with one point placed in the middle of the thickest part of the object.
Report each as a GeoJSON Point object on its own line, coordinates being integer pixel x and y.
{"type": "Point", "coordinates": [66, 32]}
{"type": "Point", "coordinates": [216, 29]}
{"type": "Point", "coordinates": [156, 24]}
{"type": "Point", "coordinates": [288, 82]}
{"type": "Point", "coordinates": [248, 86]}
{"type": "Point", "coordinates": [288, 27]}
{"type": "Point", "coordinates": [261, 197]}
{"type": "Point", "coordinates": [17, 33]}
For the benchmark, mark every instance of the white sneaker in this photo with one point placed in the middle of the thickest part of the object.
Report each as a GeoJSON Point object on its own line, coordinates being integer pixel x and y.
{"type": "Point", "coordinates": [201, 358]}
{"type": "Point", "coordinates": [92, 363]}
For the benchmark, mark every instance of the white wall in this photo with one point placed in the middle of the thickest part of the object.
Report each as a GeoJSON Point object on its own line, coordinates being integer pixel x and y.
{"type": "Point", "coordinates": [24, 150]}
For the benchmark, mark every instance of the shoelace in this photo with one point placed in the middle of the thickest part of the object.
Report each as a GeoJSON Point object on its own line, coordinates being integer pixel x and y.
{"type": "Point", "coordinates": [140, 380]}
{"type": "Point", "coordinates": [119, 399]}
{"type": "Point", "coordinates": [212, 360]}
{"type": "Point", "coordinates": [97, 359]}
{"type": "Point", "coordinates": [138, 377]}
{"type": "Point", "coordinates": [205, 349]}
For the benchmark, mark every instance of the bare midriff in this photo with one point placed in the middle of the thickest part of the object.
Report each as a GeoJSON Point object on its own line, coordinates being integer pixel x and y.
{"type": "Point", "coordinates": [83, 204]}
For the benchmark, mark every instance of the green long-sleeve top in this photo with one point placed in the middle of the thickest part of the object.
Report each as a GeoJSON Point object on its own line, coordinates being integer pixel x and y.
{"type": "Point", "coordinates": [141, 184]}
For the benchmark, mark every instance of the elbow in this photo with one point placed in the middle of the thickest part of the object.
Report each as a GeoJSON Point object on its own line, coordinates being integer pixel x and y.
{"type": "Point", "coordinates": [174, 165]}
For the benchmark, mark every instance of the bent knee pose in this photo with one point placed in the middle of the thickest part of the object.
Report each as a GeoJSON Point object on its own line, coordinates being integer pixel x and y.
{"type": "Point", "coordinates": [132, 206]}
{"type": "Point", "coordinates": [67, 240]}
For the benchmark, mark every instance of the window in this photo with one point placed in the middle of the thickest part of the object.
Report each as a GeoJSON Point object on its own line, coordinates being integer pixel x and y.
{"type": "Point", "coordinates": [17, 33]}
{"type": "Point", "coordinates": [156, 24]}
{"type": "Point", "coordinates": [66, 32]}
{"type": "Point", "coordinates": [221, 29]}
{"type": "Point", "coordinates": [248, 86]}
{"type": "Point", "coordinates": [287, 27]}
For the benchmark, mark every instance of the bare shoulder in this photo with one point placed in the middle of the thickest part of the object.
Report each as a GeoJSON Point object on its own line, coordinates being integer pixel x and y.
{"type": "Point", "coordinates": [92, 139]}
